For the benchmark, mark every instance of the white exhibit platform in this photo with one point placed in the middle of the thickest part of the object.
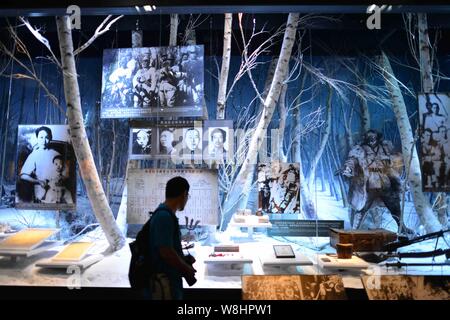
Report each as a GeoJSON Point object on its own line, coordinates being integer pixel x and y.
{"type": "Point", "coordinates": [268, 259]}
{"type": "Point", "coordinates": [84, 263]}
{"type": "Point", "coordinates": [332, 262]}
{"type": "Point", "coordinates": [27, 252]}
{"type": "Point", "coordinates": [234, 258]}
{"type": "Point", "coordinates": [250, 223]}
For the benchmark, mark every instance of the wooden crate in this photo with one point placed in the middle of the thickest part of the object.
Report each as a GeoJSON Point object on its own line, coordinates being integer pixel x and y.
{"type": "Point", "coordinates": [362, 240]}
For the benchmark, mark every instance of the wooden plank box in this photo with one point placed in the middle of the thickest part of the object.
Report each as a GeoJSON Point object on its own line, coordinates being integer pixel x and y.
{"type": "Point", "coordinates": [362, 240]}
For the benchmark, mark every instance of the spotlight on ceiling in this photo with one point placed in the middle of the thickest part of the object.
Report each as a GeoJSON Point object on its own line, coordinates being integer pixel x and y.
{"type": "Point", "coordinates": [149, 8]}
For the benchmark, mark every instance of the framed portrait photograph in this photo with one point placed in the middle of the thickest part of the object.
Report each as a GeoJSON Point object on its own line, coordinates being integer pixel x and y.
{"type": "Point", "coordinates": [46, 168]}
{"type": "Point", "coordinates": [218, 137]}
{"type": "Point", "coordinates": [140, 145]}
{"type": "Point", "coordinates": [279, 187]}
{"type": "Point", "coordinates": [169, 142]}
{"type": "Point", "coordinates": [192, 145]}
{"type": "Point", "coordinates": [434, 120]}
{"type": "Point", "coordinates": [153, 82]}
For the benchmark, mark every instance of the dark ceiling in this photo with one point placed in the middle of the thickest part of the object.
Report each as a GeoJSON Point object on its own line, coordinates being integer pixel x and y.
{"type": "Point", "coordinates": [345, 34]}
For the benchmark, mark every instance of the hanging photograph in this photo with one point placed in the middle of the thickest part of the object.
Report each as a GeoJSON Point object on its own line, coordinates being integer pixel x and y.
{"type": "Point", "coordinates": [146, 190]}
{"type": "Point", "coordinates": [218, 139]}
{"type": "Point", "coordinates": [169, 142]}
{"type": "Point", "coordinates": [293, 287]}
{"type": "Point", "coordinates": [434, 117]}
{"type": "Point", "coordinates": [46, 176]}
{"type": "Point", "coordinates": [192, 144]}
{"type": "Point", "coordinates": [279, 187]}
{"type": "Point", "coordinates": [140, 146]}
{"type": "Point", "coordinates": [153, 82]}
{"type": "Point", "coordinates": [406, 287]}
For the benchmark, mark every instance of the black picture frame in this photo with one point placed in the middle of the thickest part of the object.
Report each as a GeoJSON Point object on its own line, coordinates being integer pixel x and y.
{"type": "Point", "coordinates": [51, 161]}
{"type": "Point", "coordinates": [153, 82]}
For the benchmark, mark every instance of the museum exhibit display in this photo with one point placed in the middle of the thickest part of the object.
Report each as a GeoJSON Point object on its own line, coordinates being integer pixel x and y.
{"type": "Point", "coordinates": [263, 152]}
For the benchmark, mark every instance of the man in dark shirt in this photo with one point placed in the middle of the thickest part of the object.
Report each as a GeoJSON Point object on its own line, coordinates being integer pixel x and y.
{"type": "Point", "coordinates": [169, 261]}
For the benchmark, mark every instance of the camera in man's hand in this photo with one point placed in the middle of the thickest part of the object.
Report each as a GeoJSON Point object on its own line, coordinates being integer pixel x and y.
{"type": "Point", "coordinates": [190, 277]}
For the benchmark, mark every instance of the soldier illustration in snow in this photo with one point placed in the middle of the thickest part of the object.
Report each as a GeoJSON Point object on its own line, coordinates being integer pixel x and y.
{"type": "Point", "coordinates": [373, 176]}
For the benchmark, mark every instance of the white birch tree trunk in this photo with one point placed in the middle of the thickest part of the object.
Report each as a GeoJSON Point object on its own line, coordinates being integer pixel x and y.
{"type": "Point", "coordinates": [424, 52]}
{"type": "Point", "coordinates": [226, 56]}
{"type": "Point", "coordinates": [268, 82]}
{"type": "Point", "coordinates": [173, 29]}
{"type": "Point", "coordinates": [80, 141]}
{"type": "Point", "coordinates": [323, 143]}
{"type": "Point", "coordinates": [243, 181]}
{"type": "Point", "coordinates": [365, 114]}
{"type": "Point", "coordinates": [282, 110]}
{"type": "Point", "coordinates": [112, 162]}
{"type": "Point", "coordinates": [305, 195]}
{"type": "Point", "coordinates": [409, 151]}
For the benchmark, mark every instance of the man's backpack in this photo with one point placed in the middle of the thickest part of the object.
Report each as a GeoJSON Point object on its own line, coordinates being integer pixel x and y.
{"type": "Point", "coordinates": [141, 265]}
{"type": "Point", "coordinates": [140, 269]}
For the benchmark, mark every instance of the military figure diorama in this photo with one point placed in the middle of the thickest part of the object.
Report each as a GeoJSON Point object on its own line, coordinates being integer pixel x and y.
{"type": "Point", "coordinates": [373, 177]}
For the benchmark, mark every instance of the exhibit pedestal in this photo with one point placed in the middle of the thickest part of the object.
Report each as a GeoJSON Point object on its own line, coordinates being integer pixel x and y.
{"type": "Point", "coordinates": [84, 263]}
{"type": "Point", "coordinates": [14, 254]}
{"type": "Point", "coordinates": [250, 227]}
{"type": "Point", "coordinates": [270, 260]}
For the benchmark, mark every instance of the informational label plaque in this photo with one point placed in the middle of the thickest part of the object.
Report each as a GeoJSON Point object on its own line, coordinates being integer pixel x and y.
{"type": "Point", "coordinates": [146, 190]}
{"type": "Point", "coordinates": [303, 228]}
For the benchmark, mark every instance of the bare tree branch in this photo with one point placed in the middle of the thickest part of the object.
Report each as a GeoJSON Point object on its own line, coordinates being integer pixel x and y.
{"type": "Point", "coordinates": [40, 38]}
{"type": "Point", "coordinates": [101, 29]}
{"type": "Point", "coordinates": [30, 70]}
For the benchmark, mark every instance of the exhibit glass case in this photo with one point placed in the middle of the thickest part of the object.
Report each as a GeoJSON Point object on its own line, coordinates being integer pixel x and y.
{"type": "Point", "coordinates": [315, 140]}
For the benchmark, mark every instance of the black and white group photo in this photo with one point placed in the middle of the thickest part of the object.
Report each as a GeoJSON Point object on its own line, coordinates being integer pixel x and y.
{"type": "Point", "coordinates": [46, 177]}
{"type": "Point", "coordinates": [434, 112]}
{"type": "Point", "coordinates": [279, 187]}
{"type": "Point", "coordinates": [153, 81]}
